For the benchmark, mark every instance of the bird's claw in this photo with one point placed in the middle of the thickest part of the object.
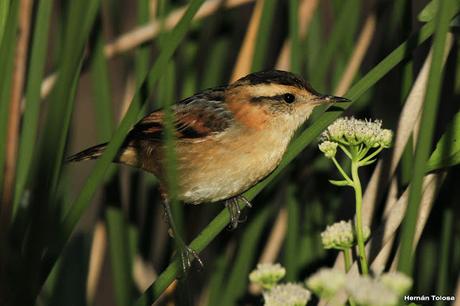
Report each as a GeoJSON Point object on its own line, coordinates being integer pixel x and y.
{"type": "Point", "coordinates": [235, 211]}
{"type": "Point", "coordinates": [245, 201]}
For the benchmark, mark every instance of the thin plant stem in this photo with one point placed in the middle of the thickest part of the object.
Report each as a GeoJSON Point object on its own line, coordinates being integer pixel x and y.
{"type": "Point", "coordinates": [363, 150]}
{"type": "Point", "coordinates": [345, 176]}
{"type": "Point", "coordinates": [370, 156]}
{"type": "Point", "coordinates": [358, 220]}
{"type": "Point", "coordinates": [345, 150]}
{"type": "Point", "coordinates": [347, 258]}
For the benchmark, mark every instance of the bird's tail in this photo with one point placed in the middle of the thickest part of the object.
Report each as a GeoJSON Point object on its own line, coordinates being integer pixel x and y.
{"type": "Point", "coordinates": [90, 153]}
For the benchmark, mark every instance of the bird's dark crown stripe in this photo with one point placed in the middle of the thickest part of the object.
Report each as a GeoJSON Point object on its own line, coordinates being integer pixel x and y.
{"type": "Point", "coordinates": [276, 77]}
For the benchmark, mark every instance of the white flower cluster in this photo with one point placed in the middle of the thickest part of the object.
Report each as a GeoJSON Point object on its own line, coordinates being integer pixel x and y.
{"type": "Point", "coordinates": [341, 235]}
{"type": "Point", "coordinates": [326, 282]}
{"type": "Point", "coordinates": [287, 295]}
{"type": "Point", "coordinates": [352, 131]}
{"type": "Point", "coordinates": [366, 291]}
{"type": "Point", "coordinates": [385, 290]}
{"type": "Point", "coordinates": [267, 275]}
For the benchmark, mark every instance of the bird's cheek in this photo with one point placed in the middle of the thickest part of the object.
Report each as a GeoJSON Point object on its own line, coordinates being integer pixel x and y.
{"type": "Point", "coordinates": [301, 114]}
{"type": "Point", "coordinates": [251, 116]}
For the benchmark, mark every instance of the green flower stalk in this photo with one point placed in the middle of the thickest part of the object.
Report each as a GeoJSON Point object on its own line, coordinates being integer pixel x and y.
{"type": "Point", "coordinates": [361, 141]}
{"type": "Point", "coordinates": [287, 295]}
{"type": "Point", "coordinates": [267, 275]}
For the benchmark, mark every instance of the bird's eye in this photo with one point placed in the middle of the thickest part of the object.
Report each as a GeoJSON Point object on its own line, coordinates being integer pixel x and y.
{"type": "Point", "coordinates": [289, 98]}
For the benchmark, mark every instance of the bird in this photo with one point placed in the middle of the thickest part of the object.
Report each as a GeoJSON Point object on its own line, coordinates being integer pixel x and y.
{"type": "Point", "coordinates": [227, 139]}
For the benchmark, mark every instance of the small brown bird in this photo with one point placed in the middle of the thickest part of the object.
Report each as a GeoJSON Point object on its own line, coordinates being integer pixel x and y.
{"type": "Point", "coordinates": [227, 138]}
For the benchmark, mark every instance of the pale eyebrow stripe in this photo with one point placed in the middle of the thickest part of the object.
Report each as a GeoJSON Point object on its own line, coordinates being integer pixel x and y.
{"type": "Point", "coordinates": [270, 89]}
{"type": "Point", "coordinates": [259, 98]}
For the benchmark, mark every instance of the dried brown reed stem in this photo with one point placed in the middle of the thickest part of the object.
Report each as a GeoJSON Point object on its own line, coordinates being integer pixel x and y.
{"type": "Point", "coordinates": [166, 295]}
{"type": "Point", "coordinates": [96, 260]}
{"type": "Point", "coordinates": [12, 140]}
{"type": "Point", "coordinates": [153, 7]}
{"type": "Point", "coordinates": [246, 55]}
{"type": "Point", "coordinates": [364, 40]}
{"type": "Point", "coordinates": [379, 263]}
{"type": "Point", "coordinates": [130, 90]}
{"type": "Point", "coordinates": [143, 273]}
{"type": "Point", "coordinates": [276, 238]}
{"type": "Point", "coordinates": [395, 217]}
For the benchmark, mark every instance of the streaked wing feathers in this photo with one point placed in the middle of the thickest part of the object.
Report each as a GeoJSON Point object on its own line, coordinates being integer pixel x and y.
{"type": "Point", "coordinates": [198, 116]}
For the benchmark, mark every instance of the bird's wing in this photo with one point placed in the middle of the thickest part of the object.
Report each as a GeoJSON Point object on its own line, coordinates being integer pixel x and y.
{"type": "Point", "coordinates": [198, 116]}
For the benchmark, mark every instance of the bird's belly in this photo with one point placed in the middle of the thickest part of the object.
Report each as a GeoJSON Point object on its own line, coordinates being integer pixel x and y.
{"type": "Point", "coordinates": [225, 169]}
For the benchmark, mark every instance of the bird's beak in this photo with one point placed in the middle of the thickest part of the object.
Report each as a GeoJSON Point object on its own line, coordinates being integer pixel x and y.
{"type": "Point", "coordinates": [333, 99]}
{"type": "Point", "coordinates": [327, 99]}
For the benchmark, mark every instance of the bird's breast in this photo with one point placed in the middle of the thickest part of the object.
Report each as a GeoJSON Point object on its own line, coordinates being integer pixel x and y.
{"type": "Point", "coordinates": [228, 164]}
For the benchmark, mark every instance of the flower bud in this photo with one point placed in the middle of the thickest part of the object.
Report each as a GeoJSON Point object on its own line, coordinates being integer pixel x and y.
{"type": "Point", "coordinates": [329, 148]}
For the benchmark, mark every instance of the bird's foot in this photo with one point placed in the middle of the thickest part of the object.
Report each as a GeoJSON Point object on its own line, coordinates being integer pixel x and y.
{"type": "Point", "coordinates": [235, 211]}
{"type": "Point", "coordinates": [187, 255]}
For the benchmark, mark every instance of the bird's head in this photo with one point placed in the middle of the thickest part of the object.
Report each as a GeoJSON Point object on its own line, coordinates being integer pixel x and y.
{"type": "Point", "coordinates": [275, 96]}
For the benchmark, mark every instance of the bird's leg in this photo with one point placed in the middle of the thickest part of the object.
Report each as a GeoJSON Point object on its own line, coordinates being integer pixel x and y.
{"type": "Point", "coordinates": [185, 251]}
{"type": "Point", "coordinates": [235, 211]}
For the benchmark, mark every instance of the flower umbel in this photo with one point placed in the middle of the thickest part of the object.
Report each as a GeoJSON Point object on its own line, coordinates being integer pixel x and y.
{"type": "Point", "coordinates": [267, 275]}
{"type": "Point", "coordinates": [326, 282]}
{"type": "Point", "coordinates": [341, 235]}
{"type": "Point", "coordinates": [365, 291]}
{"type": "Point", "coordinates": [397, 282]}
{"type": "Point", "coordinates": [287, 295]}
{"type": "Point", "coordinates": [351, 131]}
